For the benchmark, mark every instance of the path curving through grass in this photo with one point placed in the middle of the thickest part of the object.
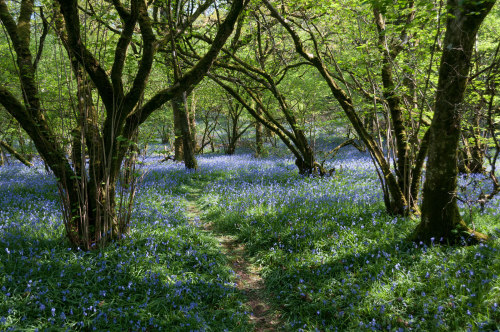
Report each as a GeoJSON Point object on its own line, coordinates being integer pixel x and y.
{"type": "Point", "coordinates": [249, 282]}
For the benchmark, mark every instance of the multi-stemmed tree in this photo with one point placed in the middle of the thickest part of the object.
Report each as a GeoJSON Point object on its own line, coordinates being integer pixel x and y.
{"type": "Point", "coordinates": [102, 139]}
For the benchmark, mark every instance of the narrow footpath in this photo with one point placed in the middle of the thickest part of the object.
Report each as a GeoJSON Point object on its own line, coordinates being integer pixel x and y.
{"type": "Point", "coordinates": [249, 280]}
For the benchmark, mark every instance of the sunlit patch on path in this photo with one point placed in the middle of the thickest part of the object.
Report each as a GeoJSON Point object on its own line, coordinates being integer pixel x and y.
{"type": "Point", "coordinates": [262, 316]}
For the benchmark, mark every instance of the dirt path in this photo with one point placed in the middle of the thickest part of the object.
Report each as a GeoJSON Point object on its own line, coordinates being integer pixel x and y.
{"type": "Point", "coordinates": [249, 280]}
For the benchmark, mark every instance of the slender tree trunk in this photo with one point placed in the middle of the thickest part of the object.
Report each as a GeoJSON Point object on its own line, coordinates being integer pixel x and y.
{"type": "Point", "coordinates": [233, 134]}
{"type": "Point", "coordinates": [440, 215]}
{"type": "Point", "coordinates": [259, 143]}
{"type": "Point", "coordinates": [259, 133]}
{"type": "Point", "coordinates": [178, 144]}
{"type": "Point", "coordinates": [192, 121]}
{"type": "Point", "coordinates": [472, 152]}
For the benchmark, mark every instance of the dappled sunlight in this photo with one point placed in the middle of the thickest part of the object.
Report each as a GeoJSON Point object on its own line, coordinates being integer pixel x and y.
{"type": "Point", "coordinates": [333, 259]}
{"type": "Point", "coordinates": [165, 274]}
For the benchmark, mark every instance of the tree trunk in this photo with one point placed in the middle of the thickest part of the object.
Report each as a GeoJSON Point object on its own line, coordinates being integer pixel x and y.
{"type": "Point", "coordinates": [233, 134]}
{"type": "Point", "coordinates": [259, 143]}
{"type": "Point", "coordinates": [259, 135]}
{"type": "Point", "coordinates": [192, 121]}
{"type": "Point", "coordinates": [188, 147]}
{"type": "Point", "coordinates": [440, 215]}
{"type": "Point", "coordinates": [230, 149]}
{"type": "Point", "coordinates": [178, 144]}
{"type": "Point", "coordinates": [472, 152]}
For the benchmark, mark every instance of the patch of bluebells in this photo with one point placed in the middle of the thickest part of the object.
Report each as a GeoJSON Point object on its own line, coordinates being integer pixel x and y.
{"type": "Point", "coordinates": [165, 275]}
{"type": "Point", "coordinates": [334, 260]}
{"type": "Point", "coordinates": [471, 186]}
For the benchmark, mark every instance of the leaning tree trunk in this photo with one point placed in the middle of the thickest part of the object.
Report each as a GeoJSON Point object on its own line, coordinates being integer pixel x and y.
{"type": "Point", "coordinates": [294, 139]}
{"type": "Point", "coordinates": [440, 215]}
{"type": "Point", "coordinates": [16, 154]}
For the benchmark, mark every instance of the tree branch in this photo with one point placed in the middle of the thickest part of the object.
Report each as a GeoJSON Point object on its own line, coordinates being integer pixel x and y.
{"type": "Point", "coordinates": [196, 74]}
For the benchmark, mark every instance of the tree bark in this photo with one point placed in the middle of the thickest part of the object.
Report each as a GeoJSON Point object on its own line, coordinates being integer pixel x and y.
{"type": "Point", "coordinates": [187, 137]}
{"type": "Point", "coordinates": [472, 153]}
{"type": "Point", "coordinates": [259, 141]}
{"type": "Point", "coordinates": [390, 50]}
{"type": "Point", "coordinates": [440, 215]}
{"type": "Point", "coordinates": [192, 121]}
{"type": "Point", "coordinates": [178, 143]}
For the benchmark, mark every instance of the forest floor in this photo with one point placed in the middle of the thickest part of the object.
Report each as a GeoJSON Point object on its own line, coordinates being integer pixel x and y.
{"type": "Point", "coordinates": [249, 281]}
{"type": "Point", "coordinates": [244, 244]}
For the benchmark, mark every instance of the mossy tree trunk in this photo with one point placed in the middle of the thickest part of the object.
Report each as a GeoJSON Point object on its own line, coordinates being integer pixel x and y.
{"type": "Point", "coordinates": [13, 152]}
{"type": "Point", "coordinates": [188, 144]}
{"type": "Point", "coordinates": [404, 166]}
{"type": "Point", "coordinates": [192, 121]}
{"type": "Point", "coordinates": [440, 215]}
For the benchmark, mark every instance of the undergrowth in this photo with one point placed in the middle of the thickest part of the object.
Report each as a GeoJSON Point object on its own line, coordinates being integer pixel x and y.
{"type": "Point", "coordinates": [331, 258]}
